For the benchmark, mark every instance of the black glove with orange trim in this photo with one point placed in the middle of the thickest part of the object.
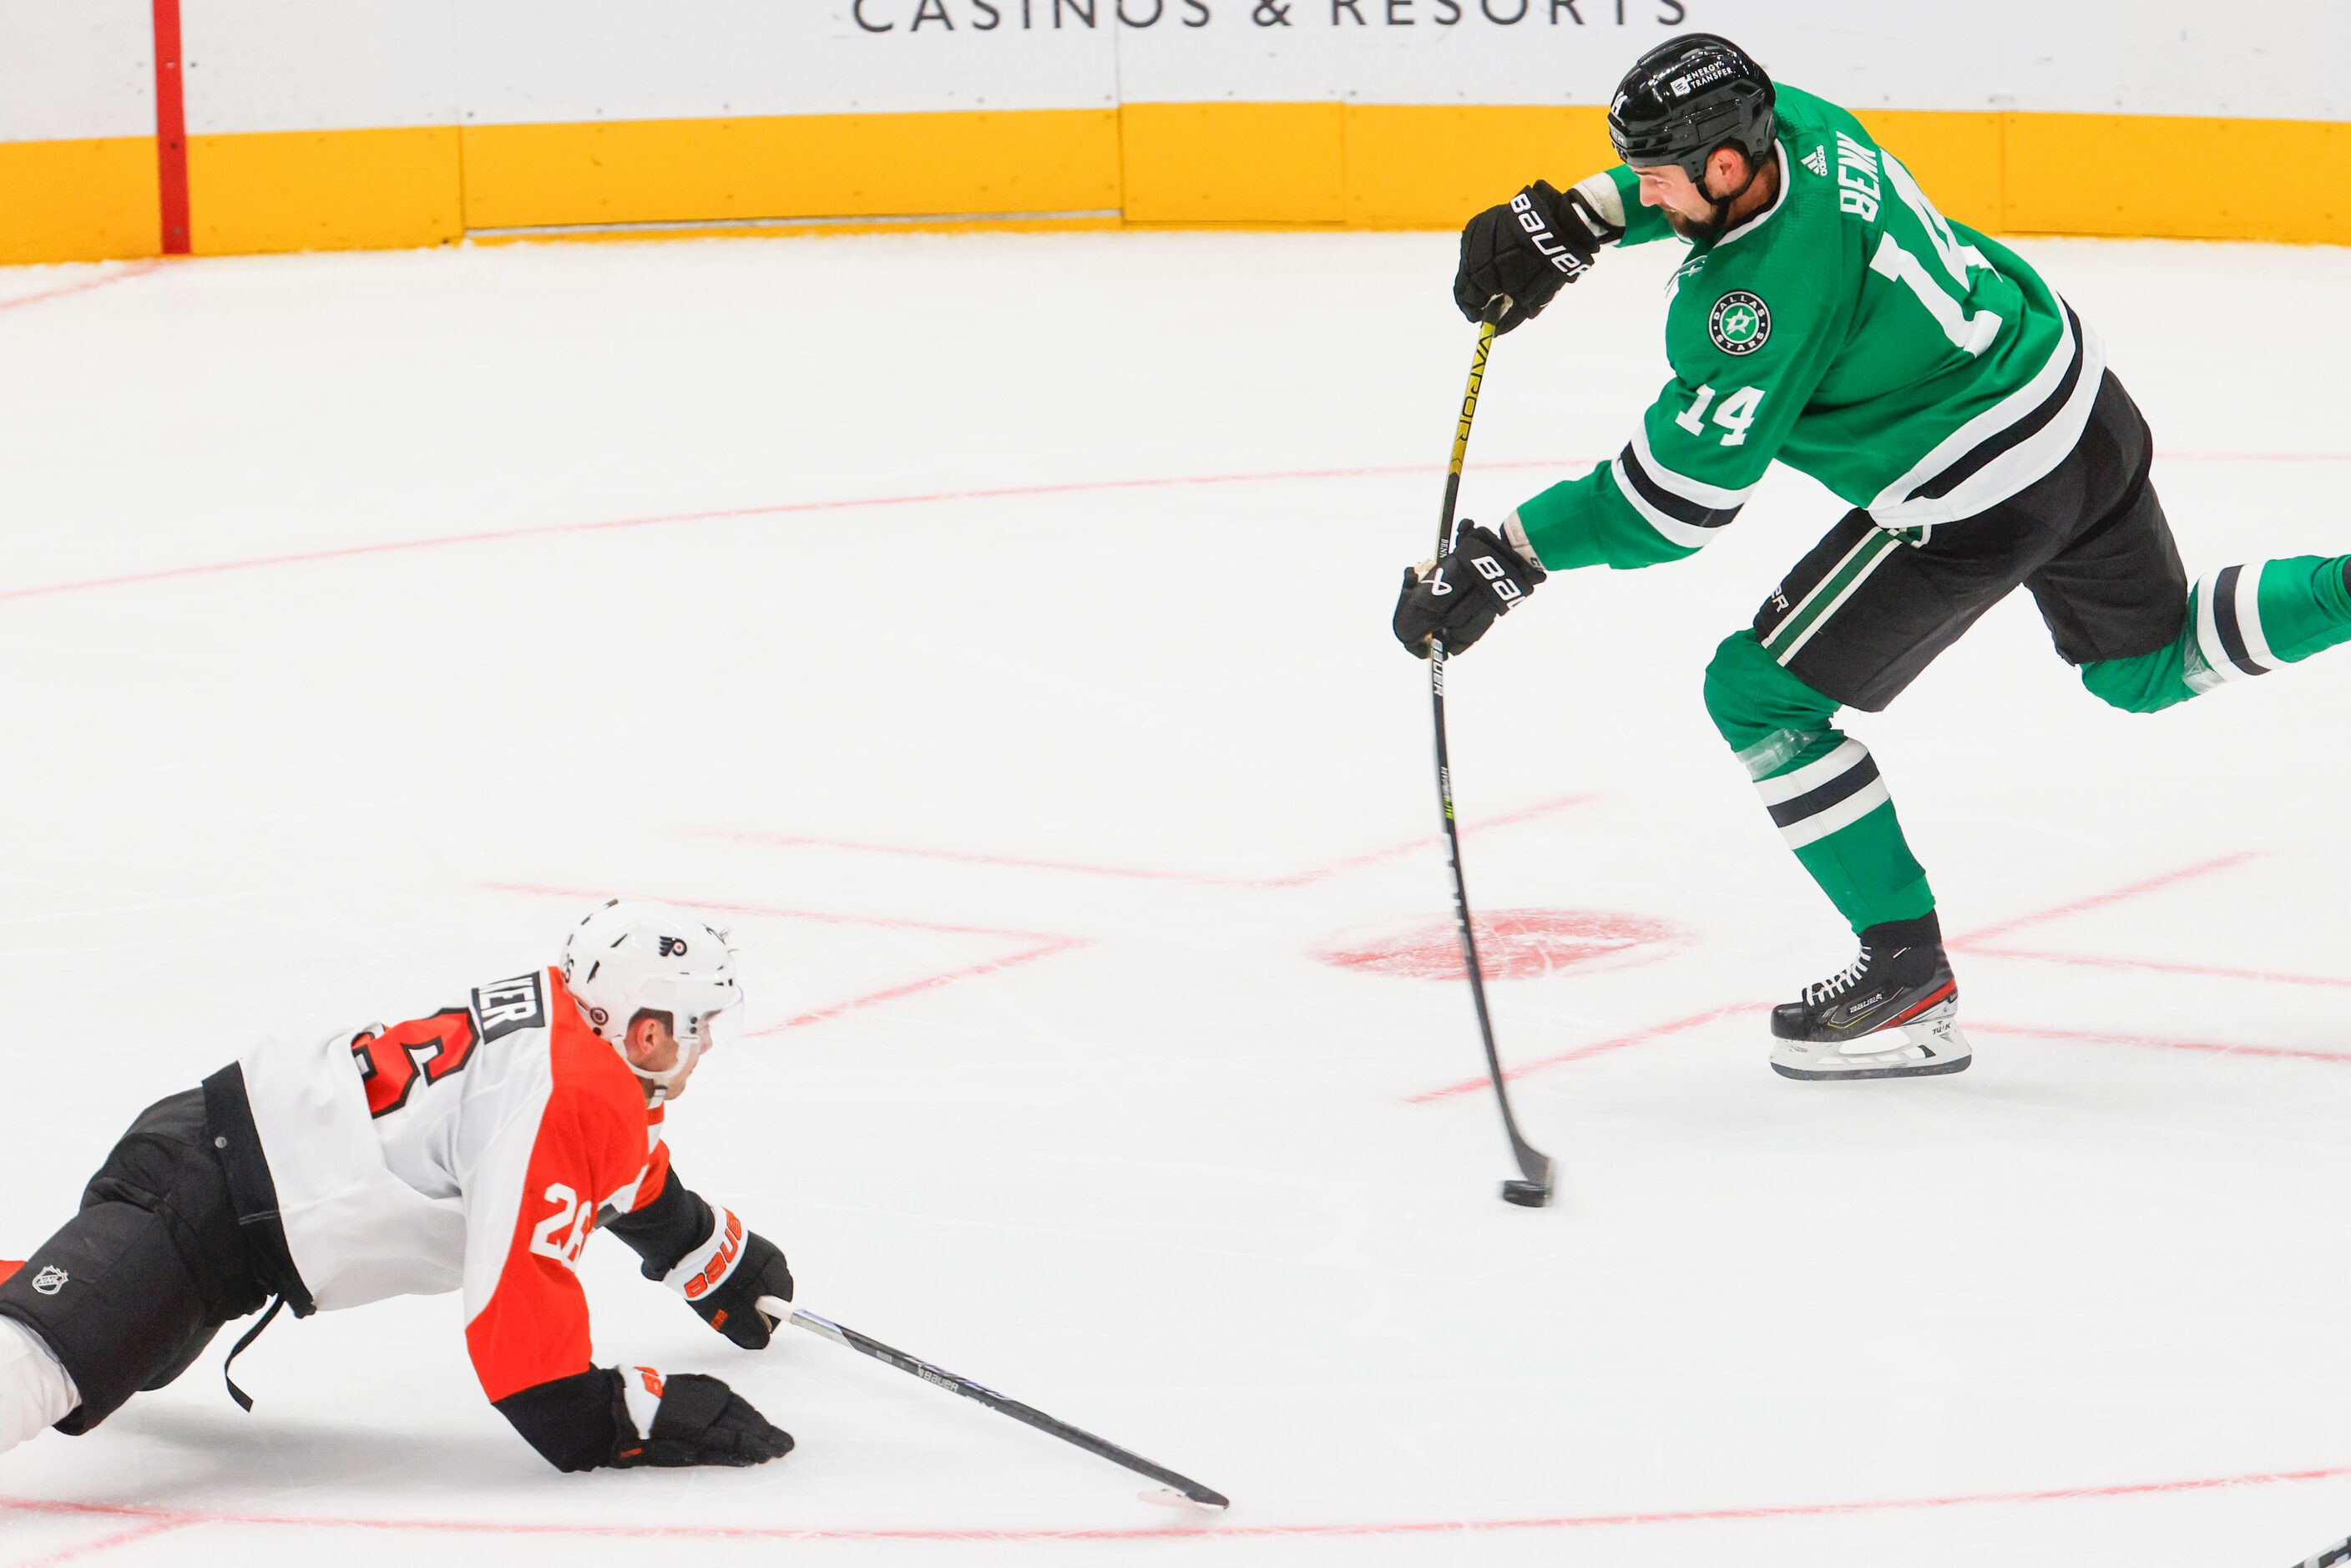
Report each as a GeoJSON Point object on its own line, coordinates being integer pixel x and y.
{"type": "Point", "coordinates": [723, 1276]}
{"type": "Point", "coordinates": [732, 1307]}
{"type": "Point", "coordinates": [697, 1421]}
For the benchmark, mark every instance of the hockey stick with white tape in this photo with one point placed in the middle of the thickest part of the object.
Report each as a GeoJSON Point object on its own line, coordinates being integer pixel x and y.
{"type": "Point", "coordinates": [1534, 1165]}
{"type": "Point", "coordinates": [1184, 1487]}
{"type": "Point", "coordinates": [2340, 1552]}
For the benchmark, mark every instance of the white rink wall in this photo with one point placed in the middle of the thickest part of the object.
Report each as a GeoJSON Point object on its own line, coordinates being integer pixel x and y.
{"type": "Point", "coordinates": [81, 67]}
{"type": "Point", "coordinates": [283, 125]}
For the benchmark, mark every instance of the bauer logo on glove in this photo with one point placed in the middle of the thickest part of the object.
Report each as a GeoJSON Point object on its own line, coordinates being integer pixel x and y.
{"type": "Point", "coordinates": [1494, 578]}
{"type": "Point", "coordinates": [723, 1276]}
{"type": "Point", "coordinates": [1524, 250]}
{"type": "Point", "coordinates": [720, 1261]}
{"type": "Point", "coordinates": [1562, 259]}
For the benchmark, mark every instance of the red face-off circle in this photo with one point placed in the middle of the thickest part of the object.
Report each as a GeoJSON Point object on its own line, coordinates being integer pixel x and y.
{"type": "Point", "coordinates": [1512, 945]}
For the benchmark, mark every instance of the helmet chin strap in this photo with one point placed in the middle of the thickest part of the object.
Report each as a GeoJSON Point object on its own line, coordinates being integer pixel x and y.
{"type": "Point", "coordinates": [691, 1046]}
{"type": "Point", "coordinates": [666, 1079]}
{"type": "Point", "coordinates": [1718, 211]}
{"type": "Point", "coordinates": [689, 1051]}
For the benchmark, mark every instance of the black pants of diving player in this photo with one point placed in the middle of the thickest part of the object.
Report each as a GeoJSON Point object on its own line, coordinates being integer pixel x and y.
{"type": "Point", "coordinates": [140, 1280]}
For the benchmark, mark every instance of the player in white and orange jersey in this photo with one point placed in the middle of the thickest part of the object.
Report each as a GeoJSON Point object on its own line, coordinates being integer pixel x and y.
{"type": "Point", "coordinates": [475, 1149]}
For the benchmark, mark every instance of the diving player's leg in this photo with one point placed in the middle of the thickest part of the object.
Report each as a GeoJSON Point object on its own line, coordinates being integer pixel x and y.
{"type": "Point", "coordinates": [131, 1289]}
{"type": "Point", "coordinates": [35, 1390]}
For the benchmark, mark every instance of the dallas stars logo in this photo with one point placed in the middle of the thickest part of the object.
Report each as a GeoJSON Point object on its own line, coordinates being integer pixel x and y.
{"type": "Point", "coordinates": [1740, 324]}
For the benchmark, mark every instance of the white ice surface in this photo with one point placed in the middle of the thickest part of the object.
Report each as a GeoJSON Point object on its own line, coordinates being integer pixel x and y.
{"type": "Point", "coordinates": [1165, 1176]}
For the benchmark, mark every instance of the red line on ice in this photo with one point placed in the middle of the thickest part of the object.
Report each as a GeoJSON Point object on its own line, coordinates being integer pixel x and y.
{"type": "Point", "coordinates": [2100, 900]}
{"type": "Point", "coordinates": [971, 857]}
{"type": "Point", "coordinates": [1144, 874]}
{"type": "Point", "coordinates": [2159, 967]}
{"type": "Point", "coordinates": [1165, 1533]}
{"type": "Point", "coordinates": [2161, 1042]}
{"type": "Point", "coordinates": [1428, 842]}
{"type": "Point", "coordinates": [2075, 906]}
{"type": "Point", "coordinates": [1581, 1052]}
{"type": "Point", "coordinates": [161, 1526]}
{"type": "Point", "coordinates": [778, 509]}
{"type": "Point", "coordinates": [932, 982]}
{"type": "Point", "coordinates": [825, 916]}
{"type": "Point", "coordinates": [856, 503]}
{"type": "Point", "coordinates": [1047, 945]}
{"type": "Point", "coordinates": [136, 269]}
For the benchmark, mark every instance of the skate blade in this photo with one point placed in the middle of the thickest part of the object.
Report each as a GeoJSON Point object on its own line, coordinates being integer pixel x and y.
{"type": "Point", "coordinates": [1927, 1047]}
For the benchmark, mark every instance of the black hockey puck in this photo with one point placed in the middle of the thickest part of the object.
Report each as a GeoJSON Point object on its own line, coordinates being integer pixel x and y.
{"type": "Point", "coordinates": [1526, 1194]}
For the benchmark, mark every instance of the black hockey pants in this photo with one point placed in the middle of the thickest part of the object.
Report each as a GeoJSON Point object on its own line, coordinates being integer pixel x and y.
{"type": "Point", "coordinates": [132, 1288]}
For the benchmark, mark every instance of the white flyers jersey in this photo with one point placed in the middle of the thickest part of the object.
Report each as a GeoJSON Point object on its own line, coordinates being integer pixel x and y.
{"type": "Point", "coordinates": [469, 1149]}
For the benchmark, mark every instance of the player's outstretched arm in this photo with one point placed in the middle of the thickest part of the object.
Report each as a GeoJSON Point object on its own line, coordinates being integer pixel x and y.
{"type": "Point", "coordinates": [528, 1216]}
{"type": "Point", "coordinates": [706, 1255]}
{"type": "Point", "coordinates": [1530, 246]}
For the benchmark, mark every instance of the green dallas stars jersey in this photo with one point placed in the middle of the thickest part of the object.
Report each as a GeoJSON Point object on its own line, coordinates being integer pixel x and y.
{"type": "Point", "coordinates": [1916, 368]}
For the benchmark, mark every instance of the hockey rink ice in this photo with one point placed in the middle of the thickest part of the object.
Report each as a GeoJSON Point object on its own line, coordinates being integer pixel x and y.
{"type": "Point", "coordinates": [993, 630]}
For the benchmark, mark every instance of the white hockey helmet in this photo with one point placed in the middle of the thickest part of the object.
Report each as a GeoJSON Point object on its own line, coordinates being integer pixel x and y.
{"type": "Point", "coordinates": [632, 955]}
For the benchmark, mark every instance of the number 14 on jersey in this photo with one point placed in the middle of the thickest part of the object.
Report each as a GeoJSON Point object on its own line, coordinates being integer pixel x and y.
{"type": "Point", "coordinates": [1737, 413]}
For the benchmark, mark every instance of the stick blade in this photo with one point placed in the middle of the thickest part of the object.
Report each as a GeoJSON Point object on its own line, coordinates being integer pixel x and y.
{"type": "Point", "coordinates": [1200, 1499]}
{"type": "Point", "coordinates": [1535, 1167]}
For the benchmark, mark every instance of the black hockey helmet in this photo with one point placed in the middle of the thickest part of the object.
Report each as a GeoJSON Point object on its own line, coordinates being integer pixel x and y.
{"type": "Point", "coordinates": [1688, 97]}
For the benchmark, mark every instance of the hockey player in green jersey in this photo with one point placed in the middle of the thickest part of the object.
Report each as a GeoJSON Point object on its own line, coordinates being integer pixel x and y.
{"type": "Point", "coordinates": [1829, 317]}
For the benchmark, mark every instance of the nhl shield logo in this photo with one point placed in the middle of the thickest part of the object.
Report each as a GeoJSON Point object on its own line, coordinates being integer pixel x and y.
{"type": "Point", "coordinates": [1740, 324]}
{"type": "Point", "coordinates": [50, 1281]}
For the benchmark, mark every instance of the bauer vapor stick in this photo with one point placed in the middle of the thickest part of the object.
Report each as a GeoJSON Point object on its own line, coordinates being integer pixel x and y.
{"type": "Point", "coordinates": [1183, 1487]}
{"type": "Point", "coordinates": [1534, 1165]}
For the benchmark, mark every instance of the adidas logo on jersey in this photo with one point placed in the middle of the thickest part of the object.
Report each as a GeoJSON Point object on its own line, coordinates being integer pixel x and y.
{"type": "Point", "coordinates": [1817, 161]}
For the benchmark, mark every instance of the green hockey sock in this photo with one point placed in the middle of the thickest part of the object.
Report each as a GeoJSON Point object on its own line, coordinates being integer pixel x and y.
{"type": "Point", "coordinates": [2241, 622]}
{"type": "Point", "coordinates": [1820, 785]}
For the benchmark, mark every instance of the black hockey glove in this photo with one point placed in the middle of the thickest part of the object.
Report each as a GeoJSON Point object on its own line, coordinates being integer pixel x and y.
{"type": "Point", "coordinates": [732, 1308]}
{"type": "Point", "coordinates": [1480, 578]}
{"type": "Point", "coordinates": [1526, 249]}
{"type": "Point", "coordinates": [723, 1275]}
{"type": "Point", "coordinates": [699, 1421]}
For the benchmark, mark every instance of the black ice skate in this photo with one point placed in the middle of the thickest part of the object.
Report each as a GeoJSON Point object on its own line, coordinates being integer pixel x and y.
{"type": "Point", "coordinates": [1893, 1013]}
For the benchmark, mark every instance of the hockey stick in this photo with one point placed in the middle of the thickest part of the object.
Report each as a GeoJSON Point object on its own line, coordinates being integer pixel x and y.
{"type": "Point", "coordinates": [2338, 1554]}
{"type": "Point", "coordinates": [1185, 1486]}
{"type": "Point", "coordinates": [1534, 1191]}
